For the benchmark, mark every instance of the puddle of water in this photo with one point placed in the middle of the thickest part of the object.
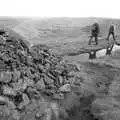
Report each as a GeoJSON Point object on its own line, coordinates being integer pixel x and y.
{"type": "Point", "coordinates": [116, 47]}
{"type": "Point", "coordinates": [103, 51]}
{"type": "Point", "coordinates": [84, 57]}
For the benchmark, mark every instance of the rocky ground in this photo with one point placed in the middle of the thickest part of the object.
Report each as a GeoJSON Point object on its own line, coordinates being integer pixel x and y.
{"type": "Point", "coordinates": [38, 84]}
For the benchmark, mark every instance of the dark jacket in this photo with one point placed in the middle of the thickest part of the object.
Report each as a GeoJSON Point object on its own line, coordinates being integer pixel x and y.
{"type": "Point", "coordinates": [111, 29]}
{"type": "Point", "coordinates": [95, 29]}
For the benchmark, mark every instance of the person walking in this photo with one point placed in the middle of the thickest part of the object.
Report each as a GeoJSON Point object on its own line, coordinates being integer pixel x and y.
{"type": "Point", "coordinates": [94, 33]}
{"type": "Point", "coordinates": [111, 32]}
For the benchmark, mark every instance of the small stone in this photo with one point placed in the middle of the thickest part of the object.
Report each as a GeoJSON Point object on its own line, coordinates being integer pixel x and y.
{"type": "Point", "coordinates": [15, 115]}
{"type": "Point", "coordinates": [5, 77]}
{"type": "Point", "coordinates": [2, 100]}
{"type": "Point", "coordinates": [28, 81]}
{"type": "Point", "coordinates": [25, 98]}
{"type": "Point", "coordinates": [8, 91]}
{"type": "Point", "coordinates": [19, 86]}
{"type": "Point", "coordinates": [48, 114]}
{"type": "Point", "coordinates": [58, 96]}
{"type": "Point", "coordinates": [39, 115]}
{"type": "Point", "coordinates": [16, 75]}
{"type": "Point", "coordinates": [61, 80]}
{"type": "Point", "coordinates": [48, 80]}
{"type": "Point", "coordinates": [40, 84]}
{"type": "Point", "coordinates": [11, 105]}
{"type": "Point", "coordinates": [25, 101]}
{"type": "Point", "coordinates": [65, 88]}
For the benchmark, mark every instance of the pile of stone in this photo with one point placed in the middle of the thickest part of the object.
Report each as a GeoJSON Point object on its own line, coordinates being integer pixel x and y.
{"type": "Point", "coordinates": [27, 74]}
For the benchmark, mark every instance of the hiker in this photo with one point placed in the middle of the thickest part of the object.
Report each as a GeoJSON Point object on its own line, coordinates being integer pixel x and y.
{"type": "Point", "coordinates": [111, 32]}
{"type": "Point", "coordinates": [94, 33]}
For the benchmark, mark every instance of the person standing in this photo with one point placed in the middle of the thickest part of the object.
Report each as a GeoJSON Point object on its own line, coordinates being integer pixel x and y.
{"type": "Point", "coordinates": [94, 33]}
{"type": "Point", "coordinates": [111, 32]}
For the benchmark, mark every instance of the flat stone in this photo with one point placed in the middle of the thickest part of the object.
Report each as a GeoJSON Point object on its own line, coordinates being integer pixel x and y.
{"type": "Point", "coordinates": [65, 88]}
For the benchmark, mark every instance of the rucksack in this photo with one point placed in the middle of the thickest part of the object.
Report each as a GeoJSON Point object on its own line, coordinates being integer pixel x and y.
{"type": "Point", "coordinates": [95, 28]}
{"type": "Point", "coordinates": [111, 29]}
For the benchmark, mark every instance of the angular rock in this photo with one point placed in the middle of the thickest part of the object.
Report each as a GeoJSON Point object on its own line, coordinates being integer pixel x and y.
{"type": "Point", "coordinates": [11, 105]}
{"type": "Point", "coordinates": [19, 86]}
{"type": "Point", "coordinates": [28, 82]}
{"type": "Point", "coordinates": [8, 91]}
{"type": "Point", "coordinates": [58, 96]}
{"type": "Point", "coordinates": [5, 77]}
{"type": "Point", "coordinates": [61, 80]}
{"type": "Point", "coordinates": [39, 115]}
{"type": "Point", "coordinates": [48, 80]}
{"type": "Point", "coordinates": [25, 101]}
{"type": "Point", "coordinates": [16, 75]}
{"type": "Point", "coordinates": [2, 100]}
{"type": "Point", "coordinates": [15, 115]}
{"type": "Point", "coordinates": [40, 84]}
{"type": "Point", "coordinates": [65, 88]}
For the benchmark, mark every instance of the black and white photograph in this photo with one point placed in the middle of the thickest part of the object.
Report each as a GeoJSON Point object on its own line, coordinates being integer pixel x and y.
{"type": "Point", "coordinates": [59, 60]}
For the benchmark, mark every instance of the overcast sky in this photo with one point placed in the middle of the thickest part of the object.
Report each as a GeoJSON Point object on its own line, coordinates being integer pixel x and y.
{"type": "Point", "coordinates": [60, 8]}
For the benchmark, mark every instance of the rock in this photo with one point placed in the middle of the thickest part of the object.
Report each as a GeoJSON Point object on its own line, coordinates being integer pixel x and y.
{"type": "Point", "coordinates": [5, 77]}
{"type": "Point", "coordinates": [11, 105]}
{"type": "Point", "coordinates": [32, 92]}
{"type": "Point", "coordinates": [16, 75]}
{"type": "Point", "coordinates": [15, 115]}
{"type": "Point", "coordinates": [19, 86]}
{"type": "Point", "coordinates": [40, 84]}
{"type": "Point", "coordinates": [65, 88]}
{"type": "Point", "coordinates": [58, 96]}
{"type": "Point", "coordinates": [39, 115]}
{"type": "Point", "coordinates": [8, 91]}
{"type": "Point", "coordinates": [25, 101]}
{"type": "Point", "coordinates": [48, 80]}
{"type": "Point", "coordinates": [2, 100]}
{"type": "Point", "coordinates": [61, 80]}
{"type": "Point", "coordinates": [28, 82]}
{"type": "Point", "coordinates": [48, 114]}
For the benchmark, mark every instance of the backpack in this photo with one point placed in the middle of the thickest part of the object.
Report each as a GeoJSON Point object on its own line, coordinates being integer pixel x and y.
{"type": "Point", "coordinates": [95, 28]}
{"type": "Point", "coordinates": [111, 29]}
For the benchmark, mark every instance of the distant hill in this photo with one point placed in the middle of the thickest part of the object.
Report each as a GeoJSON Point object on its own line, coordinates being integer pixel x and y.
{"type": "Point", "coordinates": [50, 30]}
